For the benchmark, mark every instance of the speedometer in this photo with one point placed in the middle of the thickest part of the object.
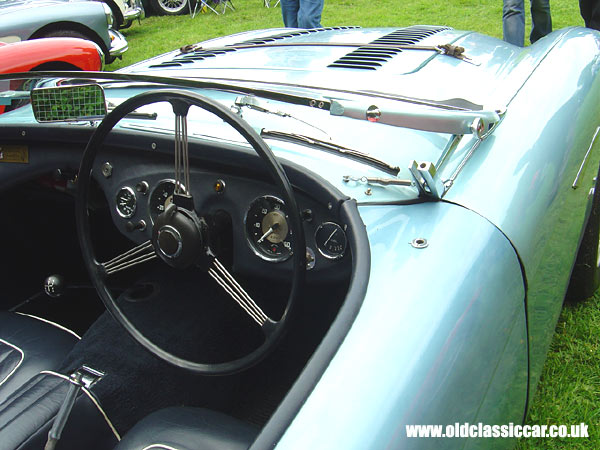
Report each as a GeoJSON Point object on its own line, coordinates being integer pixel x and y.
{"type": "Point", "coordinates": [267, 229]}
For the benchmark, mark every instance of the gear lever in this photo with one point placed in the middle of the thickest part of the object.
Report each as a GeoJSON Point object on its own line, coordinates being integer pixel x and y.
{"type": "Point", "coordinates": [54, 286]}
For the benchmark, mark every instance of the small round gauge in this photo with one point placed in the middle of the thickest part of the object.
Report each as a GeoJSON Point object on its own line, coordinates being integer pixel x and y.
{"type": "Point", "coordinates": [331, 240]}
{"type": "Point", "coordinates": [160, 197]}
{"type": "Point", "coordinates": [267, 229]}
{"type": "Point", "coordinates": [126, 202]}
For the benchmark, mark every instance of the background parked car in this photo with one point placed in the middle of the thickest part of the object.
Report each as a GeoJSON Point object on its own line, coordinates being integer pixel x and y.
{"type": "Point", "coordinates": [168, 7]}
{"type": "Point", "coordinates": [51, 54]}
{"type": "Point", "coordinates": [125, 11]}
{"type": "Point", "coordinates": [22, 20]}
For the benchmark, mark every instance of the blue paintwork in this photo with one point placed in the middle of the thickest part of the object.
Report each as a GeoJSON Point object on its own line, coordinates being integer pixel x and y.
{"type": "Point", "coordinates": [441, 336]}
{"type": "Point", "coordinates": [429, 338]}
{"type": "Point", "coordinates": [532, 189]}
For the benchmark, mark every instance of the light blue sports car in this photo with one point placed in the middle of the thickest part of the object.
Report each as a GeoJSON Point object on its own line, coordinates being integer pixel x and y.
{"type": "Point", "coordinates": [295, 239]}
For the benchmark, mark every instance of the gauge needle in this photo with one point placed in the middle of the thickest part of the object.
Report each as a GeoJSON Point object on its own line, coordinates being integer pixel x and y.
{"type": "Point", "coordinates": [269, 232]}
{"type": "Point", "coordinates": [330, 236]}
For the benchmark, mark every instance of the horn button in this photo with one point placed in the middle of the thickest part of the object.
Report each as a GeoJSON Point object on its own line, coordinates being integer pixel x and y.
{"type": "Point", "coordinates": [177, 237]}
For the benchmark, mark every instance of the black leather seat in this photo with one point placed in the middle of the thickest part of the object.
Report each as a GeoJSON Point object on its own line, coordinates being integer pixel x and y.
{"type": "Point", "coordinates": [183, 428]}
{"type": "Point", "coordinates": [28, 346]}
{"type": "Point", "coordinates": [27, 416]}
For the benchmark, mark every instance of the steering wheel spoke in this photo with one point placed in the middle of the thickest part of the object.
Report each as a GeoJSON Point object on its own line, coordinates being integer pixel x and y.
{"type": "Point", "coordinates": [133, 257]}
{"type": "Point", "coordinates": [229, 284]}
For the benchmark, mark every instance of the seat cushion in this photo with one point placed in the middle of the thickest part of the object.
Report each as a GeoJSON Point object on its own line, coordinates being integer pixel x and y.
{"type": "Point", "coordinates": [27, 416]}
{"type": "Point", "coordinates": [27, 346]}
{"type": "Point", "coordinates": [183, 428]}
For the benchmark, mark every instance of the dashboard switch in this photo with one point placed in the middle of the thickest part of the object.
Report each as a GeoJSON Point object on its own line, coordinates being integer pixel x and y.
{"type": "Point", "coordinates": [131, 226]}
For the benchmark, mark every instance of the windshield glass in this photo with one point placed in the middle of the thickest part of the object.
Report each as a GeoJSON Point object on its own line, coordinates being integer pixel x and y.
{"type": "Point", "coordinates": [298, 124]}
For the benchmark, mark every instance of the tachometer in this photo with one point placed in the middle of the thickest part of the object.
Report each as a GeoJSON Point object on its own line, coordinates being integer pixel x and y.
{"type": "Point", "coordinates": [267, 229]}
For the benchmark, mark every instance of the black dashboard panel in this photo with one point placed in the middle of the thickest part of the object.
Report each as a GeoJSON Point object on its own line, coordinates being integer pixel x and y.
{"type": "Point", "coordinates": [131, 159]}
{"type": "Point", "coordinates": [227, 198]}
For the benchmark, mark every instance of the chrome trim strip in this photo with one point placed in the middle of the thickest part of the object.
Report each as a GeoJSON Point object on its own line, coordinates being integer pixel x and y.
{"type": "Point", "coordinates": [91, 397]}
{"type": "Point", "coordinates": [160, 447]}
{"type": "Point", "coordinates": [61, 327]}
{"type": "Point", "coordinates": [18, 364]}
{"type": "Point", "coordinates": [574, 185]}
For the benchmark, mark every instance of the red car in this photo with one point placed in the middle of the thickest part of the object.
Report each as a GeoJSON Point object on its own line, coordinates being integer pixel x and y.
{"type": "Point", "coordinates": [50, 54]}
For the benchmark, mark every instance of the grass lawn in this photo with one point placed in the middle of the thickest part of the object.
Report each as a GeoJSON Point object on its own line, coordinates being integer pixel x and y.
{"type": "Point", "coordinates": [569, 391]}
{"type": "Point", "coordinates": [162, 34]}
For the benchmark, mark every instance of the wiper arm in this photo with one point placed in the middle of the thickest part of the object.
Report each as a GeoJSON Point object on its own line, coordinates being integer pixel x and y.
{"type": "Point", "coordinates": [454, 51]}
{"type": "Point", "coordinates": [333, 148]}
{"type": "Point", "coordinates": [257, 104]}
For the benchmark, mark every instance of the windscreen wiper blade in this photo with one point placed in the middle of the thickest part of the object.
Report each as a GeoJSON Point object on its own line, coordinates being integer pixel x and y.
{"type": "Point", "coordinates": [333, 148]}
{"type": "Point", "coordinates": [448, 49]}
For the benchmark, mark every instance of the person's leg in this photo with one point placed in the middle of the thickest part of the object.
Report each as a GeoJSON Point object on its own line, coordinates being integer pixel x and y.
{"type": "Point", "coordinates": [590, 11]}
{"type": "Point", "coordinates": [513, 22]}
{"type": "Point", "coordinates": [309, 15]}
{"type": "Point", "coordinates": [289, 12]}
{"type": "Point", "coordinates": [540, 19]}
{"type": "Point", "coordinates": [595, 19]}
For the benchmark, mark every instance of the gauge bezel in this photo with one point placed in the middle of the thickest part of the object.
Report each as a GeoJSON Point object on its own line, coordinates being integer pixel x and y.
{"type": "Point", "coordinates": [151, 194]}
{"type": "Point", "coordinates": [322, 252]}
{"type": "Point", "coordinates": [132, 192]}
{"type": "Point", "coordinates": [252, 243]}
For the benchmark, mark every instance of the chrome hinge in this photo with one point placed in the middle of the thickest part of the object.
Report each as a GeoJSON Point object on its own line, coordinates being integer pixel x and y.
{"type": "Point", "coordinates": [427, 178]}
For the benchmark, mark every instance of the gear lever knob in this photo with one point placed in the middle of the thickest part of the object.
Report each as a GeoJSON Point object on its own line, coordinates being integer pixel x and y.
{"type": "Point", "coordinates": [54, 286]}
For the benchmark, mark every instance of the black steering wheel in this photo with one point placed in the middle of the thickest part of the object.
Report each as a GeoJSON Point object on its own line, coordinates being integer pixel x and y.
{"type": "Point", "coordinates": [180, 235]}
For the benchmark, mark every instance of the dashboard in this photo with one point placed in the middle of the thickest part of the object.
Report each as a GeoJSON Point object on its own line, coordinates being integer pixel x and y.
{"type": "Point", "coordinates": [245, 214]}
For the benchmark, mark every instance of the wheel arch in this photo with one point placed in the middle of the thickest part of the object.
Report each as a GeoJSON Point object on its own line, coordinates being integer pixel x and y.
{"type": "Point", "coordinates": [71, 26]}
{"type": "Point", "coordinates": [56, 65]}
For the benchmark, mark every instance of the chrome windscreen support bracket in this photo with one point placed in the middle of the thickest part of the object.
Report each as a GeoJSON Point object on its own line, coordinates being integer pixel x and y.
{"type": "Point", "coordinates": [460, 122]}
{"type": "Point", "coordinates": [427, 178]}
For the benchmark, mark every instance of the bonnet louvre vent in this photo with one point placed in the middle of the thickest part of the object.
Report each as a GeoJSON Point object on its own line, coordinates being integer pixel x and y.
{"type": "Point", "coordinates": [200, 55]}
{"type": "Point", "coordinates": [287, 35]}
{"type": "Point", "coordinates": [370, 58]}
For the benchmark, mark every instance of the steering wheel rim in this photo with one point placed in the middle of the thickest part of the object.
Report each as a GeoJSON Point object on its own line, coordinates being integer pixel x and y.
{"type": "Point", "coordinates": [273, 331]}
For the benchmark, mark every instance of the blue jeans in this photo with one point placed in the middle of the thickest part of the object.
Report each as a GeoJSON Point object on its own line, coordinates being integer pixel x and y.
{"type": "Point", "coordinates": [302, 13]}
{"type": "Point", "coordinates": [513, 21]}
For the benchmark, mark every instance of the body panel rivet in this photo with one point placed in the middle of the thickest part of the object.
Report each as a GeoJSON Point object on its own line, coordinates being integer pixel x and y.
{"type": "Point", "coordinates": [419, 243]}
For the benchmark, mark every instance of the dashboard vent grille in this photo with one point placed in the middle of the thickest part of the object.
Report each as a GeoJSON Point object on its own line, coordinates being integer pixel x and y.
{"type": "Point", "coordinates": [370, 58]}
{"type": "Point", "coordinates": [200, 55]}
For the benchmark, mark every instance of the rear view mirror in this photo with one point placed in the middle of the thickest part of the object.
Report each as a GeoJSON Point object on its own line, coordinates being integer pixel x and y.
{"type": "Point", "coordinates": [68, 103]}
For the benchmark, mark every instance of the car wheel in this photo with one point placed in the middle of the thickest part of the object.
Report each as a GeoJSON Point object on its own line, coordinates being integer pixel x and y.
{"type": "Point", "coordinates": [585, 278]}
{"type": "Point", "coordinates": [170, 7]}
{"type": "Point", "coordinates": [65, 33]}
{"type": "Point", "coordinates": [117, 15]}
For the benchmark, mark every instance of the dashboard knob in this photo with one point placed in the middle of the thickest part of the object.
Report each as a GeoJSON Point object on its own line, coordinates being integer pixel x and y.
{"type": "Point", "coordinates": [142, 187]}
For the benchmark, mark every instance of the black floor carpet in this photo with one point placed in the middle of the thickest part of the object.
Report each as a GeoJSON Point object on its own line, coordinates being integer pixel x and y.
{"type": "Point", "coordinates": [185, 313]}
{"type": "Point", "coordinates": [188, 314]}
